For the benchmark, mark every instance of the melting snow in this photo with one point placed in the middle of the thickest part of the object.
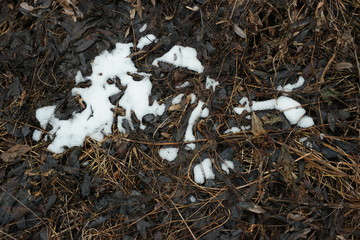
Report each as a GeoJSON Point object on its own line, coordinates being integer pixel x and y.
{"type": "Point", "coordinates": [143, 28]}
{"type": "Point", "coordinates": [195, 115]}
{"type": "Point", "coordinates": [211, 83]}
{"type": "Point", "coordinates": [290, 87]}
{"type": "Point", "coordinates": [181, 57]}
{"type": "Point", "coordinates": [96, 119]}
{"type": "Point", "coordinates": [177, 99]}
{"type": "Point", "coordinates": [146, 40]}
{"type": "Point", "coordinates": [184, 85]}
{"type": "Point", "coordinates": [193, 98]}
{"type": "Point", "coordinates": [232, 130]}
{"type": "Point", "coordinates": [292, 109]}
{"type": "Point", "coordinates": [168, 154]}
{"type": "Point", "coordinates": [226, 165]}
{"type": "Point", "coordinates": [36, 135]}
{"type": "Point", "coordinates": [203, 171]}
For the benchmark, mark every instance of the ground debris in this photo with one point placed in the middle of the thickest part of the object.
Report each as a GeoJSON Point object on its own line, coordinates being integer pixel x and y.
{"type": "Point", "coordinates": [286, 182]}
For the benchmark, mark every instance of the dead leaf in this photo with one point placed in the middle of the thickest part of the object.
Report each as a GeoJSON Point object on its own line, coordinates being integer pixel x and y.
{"type": "Point", "coordinates": [26, 6]}
{"type": "Point", "coordinates": [153, 2]}
{"type": "Point", "coordinates": [256, 125]}
{"type": "Point", "coordinates": [14, 152]}
{"type": "Point", "coordinates": [343, 66]}
{"type": "Point", "coordinates": [132, 13]}
{"type": "Point", "coordinates": [250, 207]}
{"type": "Point", "coordinates": [287, 163]}
{"type": "Point", "coordinates": [175, 107]}
{"type": "Point", "coordinates": [139, 8]}
{"type": "Point", "coordinates": [239, 31]}
{"type": "Point", "coordinates": [70, 9]}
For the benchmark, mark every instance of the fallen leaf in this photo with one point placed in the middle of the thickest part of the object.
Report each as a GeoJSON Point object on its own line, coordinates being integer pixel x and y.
{"type": "Point", "coordinates": [250, 207]}
{"type": "Point", "coordinates": [70, 9]}
{"type": "Point", "coordinates": [26, 6]}
{"type": "Point", "coordinates": [287, 163]}
{"type": "Point", "coordinates": [14, 152]}
{"type": "Point", "coordinates": [139, 8]}
{"type": "Point", "coordinates": [239, 31]}
{"type": "Point", "coordinates": [175, 107]}
{"type": "Point", "coordinates": [343, 66]}
{"type": "Point", "coordinates": [256, 125]}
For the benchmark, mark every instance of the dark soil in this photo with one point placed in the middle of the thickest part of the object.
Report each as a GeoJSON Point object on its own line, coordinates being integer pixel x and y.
{"type": "Point", "coordinates": [282, 187]}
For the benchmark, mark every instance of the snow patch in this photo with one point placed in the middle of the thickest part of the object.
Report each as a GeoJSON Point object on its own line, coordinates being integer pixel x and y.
{"type": "Point", "coordinates": [211, 83]}
{"type": "Point", "coordinates": [182, 57]}
{"type": "Point", "coordinates": [168, 154]}
{"type": "Point", "coordinates": [36, 135]}
{"type": "Point", "coordinates": [143, 28]}
{"type": "Point", "coordinates": [195, 115]}
{"type": "Point", "coordinates": [289, 87]}
{"type": "Point", "coordinates": [226, 165]}
{"type": "Point", "coordinates": [292, 109]}
{"type": "Point", "coordinates": [146, 40]}
{"type": "Point", "coordinates": [96, 119]}
{"type": "Point", "coordinates": [203, 171]}
{"type": "Point", "coordinates": [177, 99]}
{"type": "Point", "coordinates": [193, 98]}
{"type": "Point", "coordinates": [184, 85]}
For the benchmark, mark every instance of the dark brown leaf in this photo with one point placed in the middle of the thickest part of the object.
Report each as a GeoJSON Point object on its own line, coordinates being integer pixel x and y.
{"type": "Point", "coordinates": [14, 152]}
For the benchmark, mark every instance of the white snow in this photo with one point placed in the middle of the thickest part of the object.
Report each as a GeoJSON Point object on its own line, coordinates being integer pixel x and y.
{"type": "Point", "coordinates": [226, 165]}
{"type": "Point", "coordinates": [96, 119]}
{"type": "Point", "coordinates": [169, 153]}
{"type": "Point", "coordinates": [136, 99]}
{"type": "Point", "coordinates": [79, 78]}
{"type": "Point", "coordinates": [143, 28]}
{"type": "Point", "coordinates": [211, 83]}
{"type": "Point", "coordinates": [146, 40]}
{"type": "Point", "coordinates": [306, 122]}
{"type": "Point", "coordinates": [177, 99]}
{"type": "Point", "coordinates": [36, 135]}
{"type": "Point", "coordinates": [181, 57]}
{"type": "Point", "coordinates": [232, 130]}
{"type": "Point", "coordinates": [184, 85]}
{"type": "Point", "coordinates": [195, 115]}
{"type": "Point", "coordinates": [193, 98]}
{"type": "Point", "coordinates": [289, 87]}
{"type": "Point", "coordinates": [304, 140]}
{"type": "Point", "coordinates": [292, 109]}
{"type": "Point", "coordinates": [44, 114]}
{"type": "Point", "coordinates": [203, 171]}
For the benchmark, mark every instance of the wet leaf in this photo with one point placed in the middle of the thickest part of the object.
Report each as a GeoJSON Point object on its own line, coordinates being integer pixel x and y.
{"type": "Point", "coordinates": [15, 152]}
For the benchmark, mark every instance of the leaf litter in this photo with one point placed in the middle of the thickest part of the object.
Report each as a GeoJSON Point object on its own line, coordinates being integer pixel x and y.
{"type": "Point", "coordinates": [117, 186]}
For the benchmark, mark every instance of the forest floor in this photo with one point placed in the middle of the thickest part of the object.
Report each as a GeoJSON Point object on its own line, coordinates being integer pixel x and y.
{"type": "Point", "coordinates": [287, 182]}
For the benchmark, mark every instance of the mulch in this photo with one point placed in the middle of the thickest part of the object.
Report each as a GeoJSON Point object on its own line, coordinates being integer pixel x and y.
{"type": "Point", "coordinates": [288, 182]}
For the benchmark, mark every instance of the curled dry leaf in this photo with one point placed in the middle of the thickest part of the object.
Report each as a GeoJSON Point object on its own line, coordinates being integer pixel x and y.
{"type": "Point", "coordinates": [14, 152]}
{"type": "Point", "coordinates": [71, 9]}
